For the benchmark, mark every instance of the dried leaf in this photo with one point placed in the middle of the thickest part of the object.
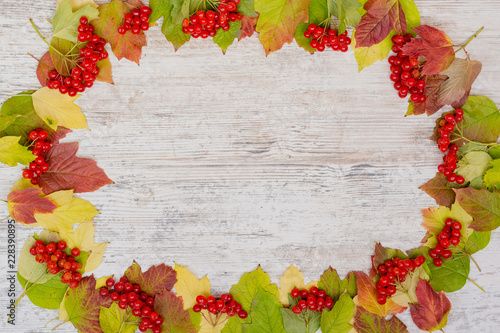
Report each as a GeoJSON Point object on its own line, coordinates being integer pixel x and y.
{"type": "Point", "coordinates": [438, 189]}
{"type": "Point", "coordinates": [153, 281]}
{"type": "Point", "coordinates": [461, 75]}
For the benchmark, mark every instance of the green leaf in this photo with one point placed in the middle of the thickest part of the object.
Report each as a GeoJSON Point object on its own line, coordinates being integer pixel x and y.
{"type": "Point", "coordinates": [246, 8]}
{"type": "Point", "coordinates": [172, 31]}
{"type": "Point", "coordinates": [64, 64]}
{"type": "Point", "coordinates": [183, 8]}
{"type": "Point", "coordinates": [47, 295]}
{"type": "Point", "coordinates": [477, 241]}
{"type": "Point", "coordinates": [301, 40]}
{"type": "Point", "coordinates": [6, 121]}
{"type": "Point", "coordinates": [114, 319]}
{"type": "Point", "coordinates": [266, 314]}
{"type": "Point", "coordinates": [160, 8]}
{"type": "Point", "coordinates": [225, 38]}
{"type": "Point", "coordinates": [318, 11]}
{"type": "Point", "coordinates": [337, 320]}
{"type": "Point", "coordinates": [482, 205]}
{"type": "Point", "coordinates": [12, 153]}
{"type": "Point", "coordinates": [494, 152]}
{"type": "Point", "coordinates": [233, 325]}
{"type": "Point", "coordinates": [472, 146]}
{"type": "Point", "coordinates": [481, 120]}
{"type": "Point", "coordinates": [452, 275]}
{"type": "Point", "coordinates": [347, 11]}
{"type": "Point", "coordinates": [331, 283]}
{"type": "Point", "coordinates": [351, 285]}
{"type": "Point", "coordinates": [492, 175]}
{"type": "Point", "coordinates": [246, 290]}
{"type": "Point", "coordinates": [65, 23]}
{"type": "Point", "coordinates": [27, 267]}
{"type": "Point", "coordinates": [473, 165]}
{"type": "Point", "coordinates": [297, 323]}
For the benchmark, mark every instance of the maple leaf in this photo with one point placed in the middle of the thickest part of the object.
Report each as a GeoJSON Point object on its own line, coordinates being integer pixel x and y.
{"type": "Point", "coordinates": [23, 204]}
{"type": "Point", "coordinates": [12, 153]}
{"type": "Point", "coordinates": [77, 4]}
{"type": "Point", "coordinates": [171, 309]}
{"type": "Point", "coordinates": [65, 23]}
{"type": "Point", "coordinates": [45, 65]}
{"type": "Point", "coordinates": [114, 319]}
{"type": "Point", "coordinates": [154, 280]}
{"type": "Point", "coordinates": [366, 322]}
{"type": "Point", "coordinates": [57, 109]}
{"type": "Point", "coordinates": [438, 189]}
{"type": "Point", "coordinates": [473, 164]}
{"type": "Point", "coordinates": [266, 313]}
{"type": "Point", "coordinates": [111, 17]}
{"type": "Point", "coordinates": [246, 290]}
{"type": "Point", "coordinates": [278, 20]}
{"type": "Point", "coordinates": [367, 297]}
{"type": "Point", "coordinates": [188, 287]}
{"type": "Point", "coordinates": [248, 25]}
{"type": "Point", "coordinates": [430, 106]}
{"type": "Point", "coordinates": [481, 121]}
{"type": "Point", "coordinates": [70, 172]}
{"type": "Point", "coordinates": [461, 75]}
{"type": "Point", "coordinates": [434, 222]}
{"type": "Point", "coordinates": [338, 319]}
{"type": "Point", "coordinates": [435, 46]}
{"type": "Point", "coordinates": [83, 305]}
{"type": "Point", "coordinates": [70, 211]}
{"type": "Point", "coordinates": [482, 205]}
{"type": "Point", "coordinates": [432, 310]}
{"type": "Point", "coordinates": [19, 118]}
{"type": "Point", "coordinates": [492, 175]}
{"type": "Point", "coordinates": [292, 278]}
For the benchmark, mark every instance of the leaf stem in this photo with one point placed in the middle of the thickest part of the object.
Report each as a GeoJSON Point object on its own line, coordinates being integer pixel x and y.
{"type": "Point", "coordinates": [43, 38]}
{"type": "Point", "coordinates": [470, 39]}
{"type": "Point", "coordinates": [56, 327]}
{"type": "Point", "coordinates": [476, 285]}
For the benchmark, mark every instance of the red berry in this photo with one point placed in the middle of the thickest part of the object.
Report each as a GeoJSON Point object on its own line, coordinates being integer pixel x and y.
{"type": "Point", "coordinates": [28, 174]}
{"type": "Point", "coordinates": [242, 314]}
{"type": "Point", "coordinates": [295, 293]}
{"type": "Point", "coordinates": [103, 292]}
{"type": "Point", "coordinates": [296, 309]}
{"type": "Point", "coordinates": [438, 262]}
{"type": "Point", "coordinates": [381, 299]}
{"type": "Point", "coordinates": [75, 252]}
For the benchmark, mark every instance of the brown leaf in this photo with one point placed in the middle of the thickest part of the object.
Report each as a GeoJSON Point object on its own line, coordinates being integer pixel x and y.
{"type": "Point", "coordinates": [45, 65]}
{"type": "Point", "coordinates": [155, 280]}
{"type": "Point", "coordinates": [104, 71]}
{"type": "Point", "coordinates": [431, 312]}
{"type": "Point", "coordinates": [366, 322]}
{"type": "Point", "coordinates": [435, 46]}
{"type": "Point", "coordinates": [438, 189]}
{"type": "Point", "coordinates": [248, 25]}
{"type": "Point", "coordinates": [68, 172]}
{"type": "Point", "coordinates": [461, 75]}
{"type": "Point", "coordinates": [111, 17]}
{"type": "Point", "coordinates": [431, 105]}
{"type": "Point", "coordinates": [381, 17]}
{"type": "Point", "coordinates": [170, 308]}
{"type": "Point", "coordinates": [23, 204]}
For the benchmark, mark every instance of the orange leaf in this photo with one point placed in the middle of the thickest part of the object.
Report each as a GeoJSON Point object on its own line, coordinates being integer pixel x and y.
{"type": "Point", "coordinates": [431, 105]}
{"type": "Point", "coordinates": [431, 313]}
{"type": "Point", "coordinates": [45, 65]}
{"type": "Point", "coordinates": [23, 204]}
{"type": "Point", "coordinates": [248, 25]}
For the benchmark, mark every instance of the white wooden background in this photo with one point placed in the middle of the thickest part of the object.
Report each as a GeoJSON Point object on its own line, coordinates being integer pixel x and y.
{"type": "Point", "coordinates": [222, 163]}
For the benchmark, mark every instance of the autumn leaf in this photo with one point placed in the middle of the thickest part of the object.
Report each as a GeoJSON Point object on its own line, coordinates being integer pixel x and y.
{"type": "Point", "coordinates": [461, 75]}
{"type": "Point", "coordinates": [12, 153]}
{"type": "Point", "coordinates": [248, 25]}
{"type": "Point", "coordinates": [170, 308]}
{"type": "Point", "coordinates": [45, 65]}
{"type": "Point", "coordinates": [105, 74]}
{"type": "Point", "coordinates": [114, 319]}
{"type": "Point", "coordinates": [366, 56]}
{"type": "Point", "coordinates": [246, 290]}
{"type": "Point", "coordinates": [438, 189]}
{"type": "Point", "coordinates": [366, 322]}
{"type": "Point", "coordinates": [65, 23]}
{"type": "Point", "coordinates": [57, 109]}
{"type": "Point", "coordinates": [482, 205]}
{"type": "Point", "coordinates": [70, 172]}
{"type": "Point", "coordinates": [188, 287]}
{"type": "Point", "coordinates": [77, 4]}
{"type": "Point", "coordinates": [111, 17]}
{"type": "Point", "coordinates": [382, 254]}
{"type": "Point", "coordinates": [154, 280]}
{"type": "Point", "coordinates": [331, 283]}
{"type": "Point", "coordinates": [225, 38]}
{"type": "Point", "coordinates": [83, 306]}
{"type": "Point", "coordinates": [434, 222]}
{"type": "Point", "coordinates": [406, 291]}
{"type": "Point", "coordinates": [23, 204]}
{"type": "Point", "coordinates": [278, 20]}
{"type": "Point", "coordinates": [64, 55]}
{"type": "Point", "coordinates": [338, 319]}
{"type": "Point", "coordinates": [492, 175]}
{"type": "Point", "coordinates": [266, 313]}
{"type": "Point", "coordinates": [367, 297]}
{"type": "Point", "coordinates": [435, 46]}
{"type": "Point", "coordinates": [292, 278]}
{"type": "Point", "coordinates": [481, 121]}
{"type": "Point", "coordinates": [431, 312]}
{"type": "Point", "coordinates": [70, 211]}
{"type": "Point", "coordinates": [431, 91]}
{"type": "Point", "coordinates": [473, 164]}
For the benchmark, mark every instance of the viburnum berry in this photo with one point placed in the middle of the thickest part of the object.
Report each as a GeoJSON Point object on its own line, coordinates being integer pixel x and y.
{"type": "Point", "coordinates": [313, 299]}
{"type": "Point", "coordinates": [136, 21]}
{"type": "Point", "coordinates": [324, 37]}
{"type": "Point", "coordinates": [446, 126]}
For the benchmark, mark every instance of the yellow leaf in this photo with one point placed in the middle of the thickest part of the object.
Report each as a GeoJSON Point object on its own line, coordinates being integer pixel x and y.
{"type": "Point", "coordinates": [77, 4]}
{"type": "Point", "coordinates": [101, 282]}
{"type": "Point", "coordinates": [207, 327]}
{"type": "Point", "coordinates": [57, 109]}
{"type": "Point", "coordinates": [366, 56]}
{"type": "Point", "coordinates": [24, 183]}
{"type": "Point", "coordinates": [189, 287]}
{"type": "Point", "coordinates": [95, 257]}
{"type": "Point", "coordinates": [12, 153]}
{"type": "Point", "coordinates": [292, 278]}
{"type": "Point", "coordinates": [70, 211]}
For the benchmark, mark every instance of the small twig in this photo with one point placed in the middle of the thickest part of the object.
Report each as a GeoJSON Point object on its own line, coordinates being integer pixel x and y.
{"type": "Point", "coordinates": [476, 285]}
{"type": "Point", "coordinates": [43, 38]}
{"type": "Point", "coordinates": [470, 40]}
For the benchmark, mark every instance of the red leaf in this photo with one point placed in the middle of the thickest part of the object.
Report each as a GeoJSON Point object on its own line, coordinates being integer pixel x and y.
{"type": "Point", "coordinates": [56, 136]}
{"type": "Point", "coordinates": [111, 17]}
{"type": "Point", "coordinates": [456, 88]}
{"type": "Point", "coordinates": [248, 25]}
{"type": "Point", "coordinates": [45, 65]}
{"type": "Point", "coordinates": [171, 308]}
{"type": "Point", "coordinates": [435, 46]}
{"type": "Point", "coordinates": [432, 311]}
{"type": "Point", "coordinates": [155, 280]}
{"type": "Point", "coordinates": [438, 189]}
{"type": "Point", "coordinates": [23, 204]}
{"type": "Point", "coordinates": [381, 17]}
{"type": "Point", "coordinates": [431, 105]}
{"type": "Point", "coordinates": [70, 172]}
{"type": "Point", "coordinates": [366, 322]}
{"type": "Point", "coordinates": [83, 305]}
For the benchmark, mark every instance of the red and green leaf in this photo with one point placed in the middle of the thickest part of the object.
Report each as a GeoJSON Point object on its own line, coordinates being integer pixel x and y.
{"type": "Point", "coordinates": [171, 309]}
{"type": "Point", "coordinates": [366, 322]}
{"type": "Point", "coordinates": [248, 25]}
{"type": "Point", "coordinates": [456, 88]}
{"type": "Point", "coordinates": [382, 254]}
{"type": "Point", "coordinates": [24, 204]}
{"type": "Point", "coordinates": [431, 312]}
{"type": "Point", "coordinates": [153, 281]}
{"type": "Point", "coordinates": [438, 188]}
{"type": "Point", "coordinates": [482, 205]}
{"type": "Point", "coordinates": [430, 106]}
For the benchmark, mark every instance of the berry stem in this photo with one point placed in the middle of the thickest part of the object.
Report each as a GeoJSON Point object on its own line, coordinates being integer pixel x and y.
{"type": "Point", "coordinates": [470, 256]}
{"type": "Point", "coordinates": [470, 40]}
{"type": "Point", "coordinates": [476, 285]}
{"type": "Point", "coordinates": [3, 200]}
{"type": "Point", "coordinates": [43, 38]}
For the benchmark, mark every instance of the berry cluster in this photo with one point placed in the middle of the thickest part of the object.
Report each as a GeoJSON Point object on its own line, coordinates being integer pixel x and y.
{"type": "Point", "coordinates": [130, 297]}
{"type": "Point", "coordinates": [325, 37]}
{"type": "Point", "coordinates": [447, 125]}
{"type": "Point", "coordinates": [225, 304]}
{"type": "Point", "coordinates": [405, 72]}
{"type": "Point", "coordinates": [204, 24]}
{"type": "Point", "coordinates": [450, 235]}
{"type": "Point", "coordinates": [315, 300]}
{"type": "Point", "coordinates": [59, 261]}
{"type": "Point", "coordinates": [392, 272]}
{"type": "Point", "coordinates": [38, 147]}
{"type": "Point", "coordinates": [136, 21]}
{"type": "Point", "coordinates": [86, 70]}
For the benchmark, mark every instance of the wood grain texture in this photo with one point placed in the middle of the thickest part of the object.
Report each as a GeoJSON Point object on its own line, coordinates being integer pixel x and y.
{"type": "Point", "coordinates": [222, 163]}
